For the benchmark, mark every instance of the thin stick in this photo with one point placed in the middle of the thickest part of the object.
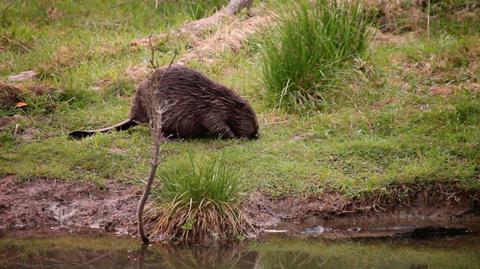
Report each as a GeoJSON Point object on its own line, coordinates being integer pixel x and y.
{"type": "Point", "coordinates": [156, 125]}
{"type": "Point", "coordinates": [15, 131]}
{"type": "Point", "coordinates": [428, 21]}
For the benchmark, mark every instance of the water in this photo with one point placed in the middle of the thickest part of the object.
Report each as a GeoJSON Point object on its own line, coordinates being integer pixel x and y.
{"type": "Point", "coordinates": [273, 252]}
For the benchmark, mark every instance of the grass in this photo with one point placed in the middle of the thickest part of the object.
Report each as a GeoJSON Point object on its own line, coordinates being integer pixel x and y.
{"type": "Point", "coordinates": [202, 202]}
{"type": "Point", "coordinates": [308, 53]}
{"type": "Point", "coordinates": [197, 180]}
{"type": "Point", "coordinates": [437, 16]}
{"type": "Point", "coordinates": [384, 128]}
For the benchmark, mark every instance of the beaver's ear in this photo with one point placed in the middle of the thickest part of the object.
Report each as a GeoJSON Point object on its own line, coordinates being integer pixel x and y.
{"type": "Point", "coordinates": [241, 105]}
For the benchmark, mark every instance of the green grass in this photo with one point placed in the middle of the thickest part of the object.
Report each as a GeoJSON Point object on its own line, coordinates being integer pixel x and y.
{"type": "Point", "coordinates": [436, 16]}
{"type": "Point", "coordinates": [383, 128]}
{"type": "Point", "coordinates": [309, 52]}
{"type": "Point", "coordinates": [199, 180]}
{"type": "Point", "coordinates": [202, 198]}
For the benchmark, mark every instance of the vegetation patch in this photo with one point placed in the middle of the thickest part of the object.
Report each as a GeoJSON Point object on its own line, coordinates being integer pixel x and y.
{"type": "Point", "coordinates": [202, 198]}
{"type": "Point", "coordinates": [306, 54]}
{"type": "Point", "coordinates": [28, 98]}
{"type": "Point", "coordinates": [406, 114]}
{"type": "Point", "coordinates": [434, 16]}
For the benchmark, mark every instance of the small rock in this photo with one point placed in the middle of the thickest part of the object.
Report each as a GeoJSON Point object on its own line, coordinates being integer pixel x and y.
{"type": "Point", "coordinates": [317, 230]}
{"type": "Point", "coordinates": [354, 229]}
{"type": "Point", "coordinates": [297, 138]}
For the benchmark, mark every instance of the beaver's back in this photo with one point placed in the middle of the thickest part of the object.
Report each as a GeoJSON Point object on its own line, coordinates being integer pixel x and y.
{"type": "Point", "coordinates": [190, 101]}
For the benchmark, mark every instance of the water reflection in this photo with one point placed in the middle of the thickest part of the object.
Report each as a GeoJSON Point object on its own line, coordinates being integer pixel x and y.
{"type": "Point", "coordinates": [83, 253]}
{"type": "Point", "coordinates": [144, 257]}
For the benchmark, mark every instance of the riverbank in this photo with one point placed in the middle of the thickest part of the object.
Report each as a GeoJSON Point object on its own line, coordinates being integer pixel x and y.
{"type": "Point", "coordinates": [398, 138]}
{"type": "Point", "coordinates": [48, 206]}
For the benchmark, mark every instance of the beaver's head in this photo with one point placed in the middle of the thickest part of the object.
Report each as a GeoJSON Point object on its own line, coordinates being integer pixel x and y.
{"type": "Point", "coordinates": [243, 121]}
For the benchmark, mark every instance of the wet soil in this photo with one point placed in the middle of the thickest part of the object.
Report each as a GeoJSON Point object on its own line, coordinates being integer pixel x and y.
{"type": "Point", "coordinates": [52, 206]}
{"type": "Point", "coordinates": [49, 205]}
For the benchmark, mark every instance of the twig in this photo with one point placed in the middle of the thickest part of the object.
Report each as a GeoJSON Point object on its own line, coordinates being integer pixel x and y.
{"type": "Point", "coordinates": [153, 62]}
{"type": "Point", "coordinates": [15, 131]}
{"type": "Point", "coordinates": [156, 129]}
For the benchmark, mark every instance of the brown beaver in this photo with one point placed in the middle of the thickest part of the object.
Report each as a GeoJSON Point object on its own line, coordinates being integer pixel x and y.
{"type": "Point", "coordinates": [193, 107]}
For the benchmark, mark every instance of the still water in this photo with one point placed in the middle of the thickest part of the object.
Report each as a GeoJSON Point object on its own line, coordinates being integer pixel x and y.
{"type": "Point", "coordinates": [274, 252]}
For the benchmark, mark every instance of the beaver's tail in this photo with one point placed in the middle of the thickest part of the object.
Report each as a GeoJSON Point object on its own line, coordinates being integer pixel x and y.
{"type": "Point", "coordinates": [124, 125]}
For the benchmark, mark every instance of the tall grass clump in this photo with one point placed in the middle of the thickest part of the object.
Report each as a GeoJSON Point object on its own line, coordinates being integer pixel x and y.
{"type": "Point", "coordinates": [307, 53]}
{"type": "Point", "coordinates": [202, 198]}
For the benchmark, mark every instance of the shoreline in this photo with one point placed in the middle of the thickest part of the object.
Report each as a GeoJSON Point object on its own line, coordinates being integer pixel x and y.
{"type": "Point", "coordinates": [59, 207]}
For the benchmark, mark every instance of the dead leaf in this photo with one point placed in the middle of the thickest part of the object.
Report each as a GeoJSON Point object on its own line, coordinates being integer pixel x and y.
{"type": "Point", "coordinates": [20, 104]}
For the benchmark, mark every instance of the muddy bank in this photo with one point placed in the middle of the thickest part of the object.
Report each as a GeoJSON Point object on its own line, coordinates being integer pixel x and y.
{"type": "Point", "coordinates": [434, 202]}
{"type": "Point", "coordinates": [49, 206]}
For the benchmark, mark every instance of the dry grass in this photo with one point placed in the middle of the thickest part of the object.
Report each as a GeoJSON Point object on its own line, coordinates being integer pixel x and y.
{"type": "Point", "coordinates": [211, 36]}
{"type": "Point", "coordinates": [207, 222]}
{"type": "Point", "coordinates": [229, 36]}
{"type": "Point", "coordinates": [202, 203]}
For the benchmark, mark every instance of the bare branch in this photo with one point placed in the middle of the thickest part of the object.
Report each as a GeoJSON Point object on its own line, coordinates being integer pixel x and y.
{"type": "Point", "coordinates": [156, 112]}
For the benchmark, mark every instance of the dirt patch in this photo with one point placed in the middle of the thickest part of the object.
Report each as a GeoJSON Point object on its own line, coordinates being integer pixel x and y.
{"type": "Point", "coordinates": [6, 121]}
{"type": "Point", "coordinates": [11, 94]}
{"type": "Point", "coordinates": [48, 205]}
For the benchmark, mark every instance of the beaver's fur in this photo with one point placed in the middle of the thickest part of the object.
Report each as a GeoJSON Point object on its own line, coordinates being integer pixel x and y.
{"type": "Point", "coordinates": [193, 107]}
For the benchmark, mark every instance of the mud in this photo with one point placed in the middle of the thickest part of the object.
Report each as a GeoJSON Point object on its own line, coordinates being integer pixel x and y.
{"type": "Point", "coordinates": [50, 206]}
{"type": "Point", "coordinates": [437, 202]}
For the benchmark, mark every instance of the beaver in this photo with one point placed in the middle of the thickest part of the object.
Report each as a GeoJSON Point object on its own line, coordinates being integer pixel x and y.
{"type": "Point", "coordinates": [192, 105]}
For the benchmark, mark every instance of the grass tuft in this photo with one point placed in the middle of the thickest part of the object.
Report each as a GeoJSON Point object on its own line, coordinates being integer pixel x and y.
{"type": "Point", "coordinates": [203, 200]}
{"type": "Point", "coordinates": [306, 53]}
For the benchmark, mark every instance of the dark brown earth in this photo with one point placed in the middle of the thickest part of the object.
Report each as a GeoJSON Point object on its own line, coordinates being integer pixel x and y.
{"type": "Point", "coordinates": [50, 206]}
{"type": "Point", "coordinates": [11, 93]}
{"type": "Point", "coordinates": [435, 202]}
